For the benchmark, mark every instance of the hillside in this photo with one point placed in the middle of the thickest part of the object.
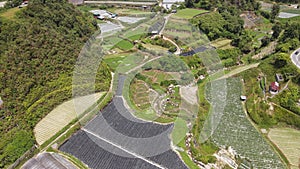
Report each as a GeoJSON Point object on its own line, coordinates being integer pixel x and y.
{"type": "Point", "coordinates": [38, 51]}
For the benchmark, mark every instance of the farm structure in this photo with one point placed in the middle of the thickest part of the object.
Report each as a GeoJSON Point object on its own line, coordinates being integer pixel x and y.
{"type": "Point", "coordinates": [235, 130]}
{"type": "Point", "coordinates": [48, 160]}
{"type": "Point", "coordinates": [116, 139]}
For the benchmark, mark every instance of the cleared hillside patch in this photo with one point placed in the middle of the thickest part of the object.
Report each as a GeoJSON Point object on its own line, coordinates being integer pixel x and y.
{"type": "Point", "coordinates": [10, 13]}
{"type": "Point", "coordinates": [62, 115]}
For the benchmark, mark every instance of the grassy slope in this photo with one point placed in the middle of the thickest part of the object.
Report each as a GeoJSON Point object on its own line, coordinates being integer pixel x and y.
{"type": "Point", "coordinates": [10, 13]}
{"type": "Point", "coordinates": [188, 13]}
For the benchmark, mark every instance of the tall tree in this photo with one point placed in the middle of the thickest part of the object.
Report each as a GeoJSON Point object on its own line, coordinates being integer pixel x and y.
{"type": "Point", "coordinates": [275, 11]}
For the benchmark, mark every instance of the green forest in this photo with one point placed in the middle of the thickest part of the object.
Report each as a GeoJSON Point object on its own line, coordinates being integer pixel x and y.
{"type": "Point", "coordinates": [39, 48]}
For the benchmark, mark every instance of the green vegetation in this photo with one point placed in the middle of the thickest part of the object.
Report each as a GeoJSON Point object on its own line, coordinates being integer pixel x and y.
{"type": "Point", "coordinates": [217, 25]}
{"type": "Point", "coordinates": [229, 57]}
{"type": "Point", "coordinates": [222, 43]}
{"type": "Point", "coordinates": [124, 45]}
{"type": "Point", "coordinates": [39, 49]}
{"type": "Point", "coordinates": [257, 107]}
{"type": "Point", "coordinates": [244, 5]}
{"type": "Point", "coordinates": [202, 151]}
{"type": "Point", "coordinates": [161, 42]}
{"type": "Point", "coordinates": [10, 13]}
{"type": "Point", "coordinates": [189, 13]}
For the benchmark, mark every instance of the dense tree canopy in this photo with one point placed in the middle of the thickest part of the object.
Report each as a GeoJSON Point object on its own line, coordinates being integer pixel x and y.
{"type": "Point", "coordinates": [238, 4]}
{"type": "Point", "coordinates": [217, 25]}
{"type": "Point", "coordinates": [38, 51]}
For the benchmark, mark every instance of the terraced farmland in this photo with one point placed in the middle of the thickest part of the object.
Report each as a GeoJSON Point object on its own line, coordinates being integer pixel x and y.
{"type": "Point", "coordinates": [62, 115]}
{"type": "Point", "coordinates": [288, 141]}
{"type": "Point", "coordinates": [116, 139]}
{"type": "Point", "coordinates": [187, 34]}
{"type": "Point", "coordinates": [235, 130]}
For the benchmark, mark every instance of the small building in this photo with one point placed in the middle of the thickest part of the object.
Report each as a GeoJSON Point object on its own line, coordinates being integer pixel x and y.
{"type": "Point", "coordinates": [167, 4]}
{"type": "Point", "coordinates": [274, 88]}
{"type": "Point", "coordinates": [24, 4]}
{"type": "Point", "coordinates": [243, 98]}
{"type": "Point", "coordinates": [279, 77]}
{"type": "Point", "coordinates": [154, 32]}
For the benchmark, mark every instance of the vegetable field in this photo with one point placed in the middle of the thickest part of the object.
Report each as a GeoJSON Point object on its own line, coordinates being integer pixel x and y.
{"type": "Point", "coordinates": [183, 32]}
{"type": "Point", "coordinates": [288, 141]}
{"type": "Point", "coordinates": [61, 116]}
{"type": "Point", "coordinates": [235, 130]}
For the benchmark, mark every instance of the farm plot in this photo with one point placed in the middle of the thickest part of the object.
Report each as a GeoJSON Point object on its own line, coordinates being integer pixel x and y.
{"type": "Point", "coordinates": [185, 33]}
{"type": "Point", "coordinates": [116, 139]}
{"type": "Point", "coordinates": [108, 27]}
{"type": "Point", "coordinates": [139, 92]}
{"type": "Point", "coordinates": [62, 115]}
{"type": "Point", "coordinates": [222, 44]}
{"type": "Point", "coordinates": [287, 15]}
{"type": "Point", "coordinates": [188, 13]}
{"type": "Point", "coordinates": [132, 12]}
{"type": "Point", "coordinates": [129, 20]}
{"type": "Point", "coordinates": [162, 98]}
{"type": "Point", "coordinates": [157, 25]}
{"type": "Point", "coordinates": [235, 130]}
{"type": "Point", "coordinates": [288, 141]}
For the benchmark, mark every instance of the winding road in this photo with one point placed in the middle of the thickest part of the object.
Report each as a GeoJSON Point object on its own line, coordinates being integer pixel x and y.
{"type": "Point", "coordinates": [295, 57]}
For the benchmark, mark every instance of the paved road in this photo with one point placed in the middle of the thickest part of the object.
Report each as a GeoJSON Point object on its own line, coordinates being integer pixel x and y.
{"type": "Point", "coordinates": [295, 57]}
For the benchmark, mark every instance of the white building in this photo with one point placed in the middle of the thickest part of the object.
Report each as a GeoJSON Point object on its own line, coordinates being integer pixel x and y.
{"type": "Point", "coordinates": [2, 4]}
{"type": "Point", "coordinates": [167, 4]}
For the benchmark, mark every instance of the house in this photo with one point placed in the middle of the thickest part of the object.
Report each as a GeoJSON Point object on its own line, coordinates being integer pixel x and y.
{"type": "Point", "coordinates": [167, 4]}
{"type": "Point", "coordinates": [279, 77]}
{"type": "Point", "coordinates": [243, 98]}
{"type": "Point", "coordinates": [274, 88]}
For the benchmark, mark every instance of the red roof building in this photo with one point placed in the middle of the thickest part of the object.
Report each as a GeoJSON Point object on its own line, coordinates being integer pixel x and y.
{"type": "Point", "coordinates": [274, 87]}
